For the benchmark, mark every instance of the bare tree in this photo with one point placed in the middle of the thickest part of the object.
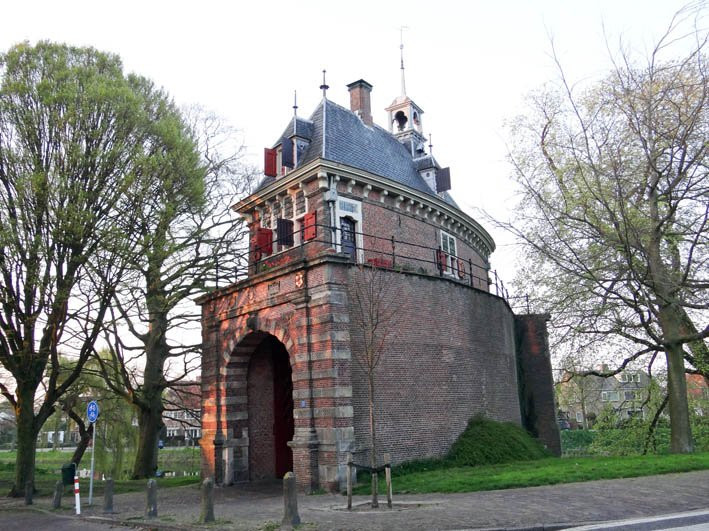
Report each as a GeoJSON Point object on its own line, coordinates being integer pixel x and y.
{"type": "Point", "coordinates": [614, 215]}
{"type": "Point", "coordinates": [373, 315]}
{"type": "Point", "coordinates": [185, 241]}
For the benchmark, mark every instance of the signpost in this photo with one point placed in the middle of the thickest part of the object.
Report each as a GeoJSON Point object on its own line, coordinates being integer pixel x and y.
{"type": "Point", "coordinates": [92, 412]}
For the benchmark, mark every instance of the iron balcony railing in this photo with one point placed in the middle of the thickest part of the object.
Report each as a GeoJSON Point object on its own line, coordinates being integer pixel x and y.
{"type": "Point", "coordinates": [378, 251]}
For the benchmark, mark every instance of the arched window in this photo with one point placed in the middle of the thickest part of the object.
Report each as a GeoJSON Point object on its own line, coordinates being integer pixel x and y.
{"type": "Point", "coordinates": [348, 236]}
{"type": "Point", "coordinates": [400, 119]}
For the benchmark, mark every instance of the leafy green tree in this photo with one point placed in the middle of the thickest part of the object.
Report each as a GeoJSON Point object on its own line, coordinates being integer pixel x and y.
{"type": "Point", "coordinates": [185, 241]}
{"type": "Point", "coordinates": [614, 215]}
{"type": "Point", "coordinates": [75, 136]}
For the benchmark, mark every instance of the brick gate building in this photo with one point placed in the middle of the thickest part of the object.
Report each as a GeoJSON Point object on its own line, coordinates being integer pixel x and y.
{"type": "Point", "coordinates": [280, 386]}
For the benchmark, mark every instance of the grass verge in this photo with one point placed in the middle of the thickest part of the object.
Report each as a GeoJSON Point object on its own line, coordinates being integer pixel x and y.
{"type": "Point", "coordinates": [547, 471]}
{"type": "Point", "coordinates": [46, 478]}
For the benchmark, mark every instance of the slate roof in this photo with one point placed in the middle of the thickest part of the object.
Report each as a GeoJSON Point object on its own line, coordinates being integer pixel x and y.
{"type": "Point", "coordinates": [347, 140]}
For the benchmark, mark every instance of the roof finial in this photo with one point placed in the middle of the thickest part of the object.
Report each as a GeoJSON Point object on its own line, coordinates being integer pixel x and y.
{"type": "Point", "coordinates": [401, 48]}
{"type": "Point", "coordinates": [295, 112]}
{"type": "Point", "coordinates": [430, 144]}
{"type": "Point", "coordinates": [324, 85]}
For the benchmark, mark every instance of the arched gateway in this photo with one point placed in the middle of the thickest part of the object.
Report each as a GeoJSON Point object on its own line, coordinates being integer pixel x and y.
{"type": "Point", "coordinates": [259, 405]}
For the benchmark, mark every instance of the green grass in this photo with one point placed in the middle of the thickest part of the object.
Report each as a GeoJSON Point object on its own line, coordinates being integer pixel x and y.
{"type": "Point", "coordinates": [483, 442]}
{"type": "Point", "coordinates": [48, 464]}
{"type": "Point", "coordinates": [547, 471]}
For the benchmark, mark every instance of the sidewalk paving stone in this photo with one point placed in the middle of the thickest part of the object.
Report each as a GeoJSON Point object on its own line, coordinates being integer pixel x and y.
{"type": "Point", "coordinates": [260, 506]}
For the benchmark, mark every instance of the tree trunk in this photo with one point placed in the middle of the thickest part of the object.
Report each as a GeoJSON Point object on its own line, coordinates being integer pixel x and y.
{"type": "Point", "coordinates": [373, 455]}
{"type": "Point", "coordinates": [149, 426]}
{"type": "Point", "coordinates": [82, 445]}
{"type": "Point", "coordinates": [149, 404]}
{"type": "Point", "coordinates": [680, 430]}
{"type": "Point", "coordinates": [26, 441]}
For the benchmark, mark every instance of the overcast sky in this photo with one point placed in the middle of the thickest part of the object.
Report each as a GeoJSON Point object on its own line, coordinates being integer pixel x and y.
{"type": "Point", "coordinates": [469, 64]}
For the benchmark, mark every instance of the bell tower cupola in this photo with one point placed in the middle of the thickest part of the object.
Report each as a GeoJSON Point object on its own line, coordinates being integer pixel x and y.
{"type": "Point", "coordinates": [405, 118]}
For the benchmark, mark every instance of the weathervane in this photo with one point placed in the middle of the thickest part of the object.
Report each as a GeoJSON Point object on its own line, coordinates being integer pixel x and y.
{"type": "Point", "coordinates": [324, 85]}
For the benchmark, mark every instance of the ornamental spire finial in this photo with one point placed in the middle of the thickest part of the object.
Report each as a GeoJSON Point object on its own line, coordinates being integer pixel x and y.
{"type": "Point", "coordinates": [401, 49]}
{"type": "Point", "coordinates": [324, 85]}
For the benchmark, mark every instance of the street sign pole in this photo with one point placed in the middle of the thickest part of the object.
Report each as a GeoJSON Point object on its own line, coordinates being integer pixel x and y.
{"type": "Point", "coordinates": [92, 412]}
{"type": "Point", "coordinates": [91, 479]}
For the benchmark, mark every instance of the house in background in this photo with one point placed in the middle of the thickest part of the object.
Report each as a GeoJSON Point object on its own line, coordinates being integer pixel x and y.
{"type": "Point", "coordinates": [182, 415]}
{"type": "Point", "coordinates": [698, 393]}
{"type": "Point", "coordinates": [582, 398]}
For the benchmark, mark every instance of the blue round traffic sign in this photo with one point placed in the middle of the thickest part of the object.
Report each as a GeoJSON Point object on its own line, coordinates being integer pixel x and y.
{"type": "Point", "coordinates": [92, 411]}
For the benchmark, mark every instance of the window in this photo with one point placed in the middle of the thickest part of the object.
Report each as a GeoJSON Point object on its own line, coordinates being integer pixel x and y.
{"type": "Point", "coordinates": [349, 235]}
{"type": "Point", "coordinates": [448, 246]}
{"type": "Point", "coordinates": [287, 207]}
{"type": "Point", "coordinates": [630, 395]}
{"type": "Point", "coordinates": [300, 203]}
{"type": "Point", "coordinates": [579, 416]}
{"type": "Point", "coordinates": [610, 396]}
{"type": "Point", "coordinates": [284, 233]}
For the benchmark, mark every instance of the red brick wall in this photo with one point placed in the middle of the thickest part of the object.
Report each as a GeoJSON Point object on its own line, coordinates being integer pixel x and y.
{"type": "Point", "coordinates": [453, 357]}
{"type": "Point", "coordinates": [536, 380]}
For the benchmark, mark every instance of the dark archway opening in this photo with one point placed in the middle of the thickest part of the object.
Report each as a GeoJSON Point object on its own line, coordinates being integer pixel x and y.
{"type": "Point", "coordinates": [270, 410]}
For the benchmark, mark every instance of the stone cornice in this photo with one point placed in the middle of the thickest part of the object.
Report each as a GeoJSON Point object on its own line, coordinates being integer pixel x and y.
{"type": "Point", "coordinates": [405, 196]}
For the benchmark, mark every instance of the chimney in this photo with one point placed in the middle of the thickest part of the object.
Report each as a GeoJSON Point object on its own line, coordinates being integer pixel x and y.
{"type": "Point", "coordinates": [360, 100]}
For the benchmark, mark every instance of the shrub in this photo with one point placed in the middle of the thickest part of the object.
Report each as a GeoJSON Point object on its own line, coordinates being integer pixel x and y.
{"type": "Point", "coordinates": [487, 442]}
{"type": "Point", "coordinates": [576, 442]}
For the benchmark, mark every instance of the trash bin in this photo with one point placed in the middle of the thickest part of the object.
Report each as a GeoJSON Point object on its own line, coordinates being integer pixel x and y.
{"type": "Point", "coordinates": [68, 473]}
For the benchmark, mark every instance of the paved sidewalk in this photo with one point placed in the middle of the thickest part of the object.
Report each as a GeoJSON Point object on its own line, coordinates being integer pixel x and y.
{"type": "Point", "coordinates": [253, 507]}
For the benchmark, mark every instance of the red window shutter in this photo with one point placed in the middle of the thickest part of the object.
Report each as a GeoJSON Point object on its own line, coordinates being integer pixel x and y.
{"type": "Point", "coordinates": [310, 230]}
{"type": "Point", "coordinates": [441, 260]}
{"type": "Point", "coordinates": [264, 240]}
{"type": "Point", "coordinates": [269, 164]}
{"type": "Point", "coordinates": [461, 268]}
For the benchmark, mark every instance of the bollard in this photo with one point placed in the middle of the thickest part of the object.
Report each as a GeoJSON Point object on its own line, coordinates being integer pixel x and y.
{"type": "Point", "coordinates": [349, 481]}
{"type": "Point", "coordinates": [207, 514]}
{"type": "Point", "coordinates": [387, 473]}
{"type": "Point", "coordinates": [151, 508]}
{"type": "Point", "coordinates": [108, 496]}
{"type": "Point", "coordinates": [290, 502]}
{"type": "Point", "coordinates": [58, 491]}
{"type": "Point", "coordinates": [29, 488]}
{"type": "Point", "coordinates": [77, 497]}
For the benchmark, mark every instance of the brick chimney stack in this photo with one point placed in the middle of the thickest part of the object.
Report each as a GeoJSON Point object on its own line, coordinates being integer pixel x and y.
{"type": "Point", "coordinates": [360, 100]}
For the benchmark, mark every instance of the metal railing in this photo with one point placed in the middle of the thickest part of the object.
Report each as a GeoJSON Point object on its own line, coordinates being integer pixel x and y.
{"type": "Point", "coordinates": [387, 253]}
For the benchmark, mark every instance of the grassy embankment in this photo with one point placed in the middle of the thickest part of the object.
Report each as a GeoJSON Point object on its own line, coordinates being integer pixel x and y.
{"type": "Point", "coordinates": [491, 455]}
